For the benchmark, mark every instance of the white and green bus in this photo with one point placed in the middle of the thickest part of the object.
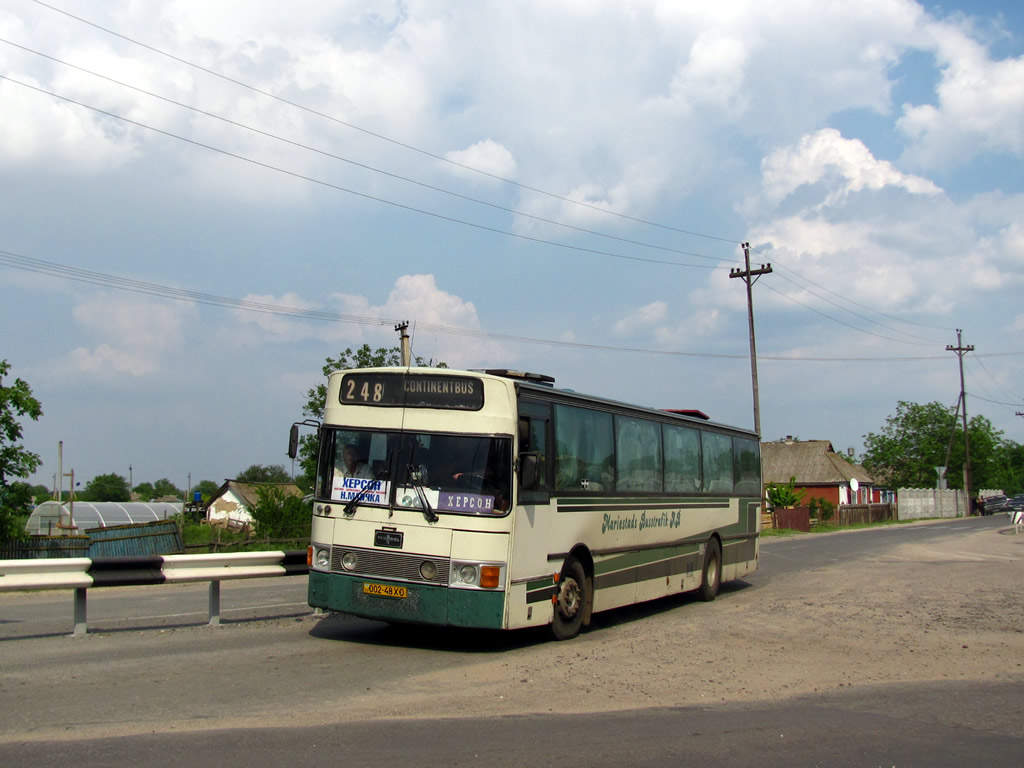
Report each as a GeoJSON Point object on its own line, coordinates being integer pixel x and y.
{"type": "Point", "coordinates": [493, 499]}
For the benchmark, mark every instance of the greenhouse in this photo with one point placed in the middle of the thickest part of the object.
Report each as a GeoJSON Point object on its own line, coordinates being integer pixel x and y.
{"type": "Point", "coordinates": [53, 518]}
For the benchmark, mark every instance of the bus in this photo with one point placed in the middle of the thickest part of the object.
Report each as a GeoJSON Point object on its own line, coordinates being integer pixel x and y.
{"type": "Point", "coordinates": [492, 499]}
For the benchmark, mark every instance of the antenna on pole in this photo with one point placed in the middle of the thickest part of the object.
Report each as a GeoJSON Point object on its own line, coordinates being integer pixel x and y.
{"type": "Point", "coordinates": [749, 277]}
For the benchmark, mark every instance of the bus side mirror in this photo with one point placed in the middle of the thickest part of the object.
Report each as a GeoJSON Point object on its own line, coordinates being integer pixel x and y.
{"type": "Point", "coordinates": [528, 470]}
{"type": "Point", "coordinates": [293, 442]}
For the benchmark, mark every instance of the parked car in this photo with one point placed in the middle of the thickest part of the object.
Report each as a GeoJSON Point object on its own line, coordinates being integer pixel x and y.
{"type": "Point", "coordinates": [995, 504]}
{"type": "Point", "coordinates": [1014, 505]}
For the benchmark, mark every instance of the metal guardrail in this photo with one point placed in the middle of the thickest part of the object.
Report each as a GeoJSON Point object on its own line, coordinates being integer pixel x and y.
{"type": "Point", "coordinates": [83, 573]}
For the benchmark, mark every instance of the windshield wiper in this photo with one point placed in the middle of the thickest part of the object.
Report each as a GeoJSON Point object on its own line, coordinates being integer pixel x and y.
{"type": "Point", "coordinates": [350, 506]}
{"type": "Point", "coordinates": [416, 477]}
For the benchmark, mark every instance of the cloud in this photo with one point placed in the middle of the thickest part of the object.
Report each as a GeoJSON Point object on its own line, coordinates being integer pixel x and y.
{"type": "Point", "coordinates": [641, 318]}
{"type": "Point", "coordinates": [980, 104]}
{"type": "Point", "coordinates": [133, 336]}
{"type": "Point", "coordinates": [825, 153]}
{"type": "Point", "coordinates": [487, 156]}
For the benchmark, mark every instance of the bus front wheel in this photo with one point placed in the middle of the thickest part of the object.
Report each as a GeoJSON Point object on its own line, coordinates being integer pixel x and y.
{"type": "Point", "coordinates": [570, 600]}
{"type": "Point", "coordinates": [711, 574]}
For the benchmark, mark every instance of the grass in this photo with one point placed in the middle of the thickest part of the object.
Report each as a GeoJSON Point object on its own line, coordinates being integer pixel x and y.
{"type": "Point", "coordinates": [209, 538]}
{"type": "Point", "coordinates": [832, 527]}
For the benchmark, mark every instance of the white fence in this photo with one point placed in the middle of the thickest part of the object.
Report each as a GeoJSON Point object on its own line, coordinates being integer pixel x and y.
{"type": "Point", "coordinates": [920, 503]}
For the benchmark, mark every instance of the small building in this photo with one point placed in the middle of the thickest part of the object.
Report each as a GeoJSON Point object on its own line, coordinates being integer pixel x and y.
{"type": "Point", "coordinates": [231, 504]}
{"type": "Point", "coordinates": [818, 470]}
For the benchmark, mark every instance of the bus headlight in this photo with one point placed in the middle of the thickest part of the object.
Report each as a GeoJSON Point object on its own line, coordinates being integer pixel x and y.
{"type": "Point", "coordinates": [323, 558]}
{"type": "Point", "coordinates": [467, 574]}
{"type": "Point", "coordinates": [428, 570]}
{"type": "Point", "coordinates": [349, 561]}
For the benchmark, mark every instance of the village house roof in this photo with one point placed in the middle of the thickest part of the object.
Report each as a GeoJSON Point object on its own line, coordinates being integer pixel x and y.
{"type": "Point", "coordinates": [247, 492]}
{"type": "Point", "coordinates": [811, 462]}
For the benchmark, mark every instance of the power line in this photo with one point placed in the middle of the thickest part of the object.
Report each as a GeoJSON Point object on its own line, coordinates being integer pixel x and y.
{"type": "Point", "coordinates": [364, 195]}
{"type": "Point", "coordinates": [432, 155]}
{"type": "Point", "coordinates": [76, 274]}
{"type": "Point", "coordinates": [357, 163]}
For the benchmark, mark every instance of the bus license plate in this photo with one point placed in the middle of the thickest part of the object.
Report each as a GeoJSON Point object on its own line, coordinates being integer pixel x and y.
{"type": "Point", "coordinates": [385, 590]}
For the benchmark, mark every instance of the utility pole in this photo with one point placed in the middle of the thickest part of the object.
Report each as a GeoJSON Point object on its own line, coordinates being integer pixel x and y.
{"type": "Point", "coordinates": [961, 350]}
{"type": "Point", "coordinates": [403, 328]}
{"type": "Point", "coordinates": [750, 277]}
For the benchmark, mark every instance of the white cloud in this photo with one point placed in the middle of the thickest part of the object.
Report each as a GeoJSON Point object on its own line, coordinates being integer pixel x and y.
{"type": "Point", "coordinates": [980, 103]}
{"type": "Point", "coordinates": [136, 337]}
{"type": "Point", "coordinates": [487, 156]}
{"type": "Point", "coordinates": [826, 152]}
{"type": "Point", "coordinates": [641, 319]}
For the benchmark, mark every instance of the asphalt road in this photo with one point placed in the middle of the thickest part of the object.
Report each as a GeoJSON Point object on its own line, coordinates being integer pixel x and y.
{"type": "Point", "coordinates": [152, 683]}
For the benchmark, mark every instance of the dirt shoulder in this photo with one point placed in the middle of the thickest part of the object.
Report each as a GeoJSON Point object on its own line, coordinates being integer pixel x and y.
{"type": "Point", "coordinates": [919, 613]}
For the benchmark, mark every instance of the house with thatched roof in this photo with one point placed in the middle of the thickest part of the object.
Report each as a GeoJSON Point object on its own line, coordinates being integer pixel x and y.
{"type": "Point", "coordinates": [232, 502]}
{"type": "Point", "coordinates": [819, 470]}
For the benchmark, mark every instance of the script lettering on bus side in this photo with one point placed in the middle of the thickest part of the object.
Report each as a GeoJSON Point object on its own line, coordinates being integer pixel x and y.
{"type": "Point", "coordinates": [670, 519]}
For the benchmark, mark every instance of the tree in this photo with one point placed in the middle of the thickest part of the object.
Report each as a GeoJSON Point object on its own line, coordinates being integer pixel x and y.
{"type": "Point", "coordinates": [316, 397]}
{"type": "Point", "coordinates": [278, 515]}
{"type": "Point", "coordinates": [145, 491]}
{"type": "Point", "coordinates": [110, 487]}
{"type": "Point", "coordinates": [206, 489]}
{"type": "Point", "coordinates": [918, 437]}
{"type": "Point", "coordinates": [16, 400]}
{"type": "Point", "coordinates": [257, 473]}
{"type": "Point", "coordinates": [781, 495]}
{"type": "Point", "coordinates": [164, 487]}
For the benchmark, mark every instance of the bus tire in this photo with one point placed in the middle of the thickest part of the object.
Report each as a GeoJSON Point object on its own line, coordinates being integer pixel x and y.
{"type": "Point", "coordinates": [711, 573]}
{"type": "Point", "coordinates": [570, 600]}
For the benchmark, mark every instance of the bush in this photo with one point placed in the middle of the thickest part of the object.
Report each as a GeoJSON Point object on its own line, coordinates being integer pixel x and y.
{"type": "Point", "coordinates": [785, 494]}
{"type": "Point", "coordinates": [821, 509]}
{"type": "Point", "coordinates": [279, 516]}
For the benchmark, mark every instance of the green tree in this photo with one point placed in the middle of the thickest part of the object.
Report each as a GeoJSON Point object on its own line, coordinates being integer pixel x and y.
{"type": "Point", "coordinates": [278, 515]}
{"type": "Point", "coordinates": [258, 473]}
{"type": "Point", "coordinates": [110, 487]}
{"type": "Point", "coordinates": [16, 401]}
{"type": "Point", "coordinates": [206, 489]}
{"type": "Point", "coordinates": [918, 437]}
{"type": "Point", "coordinates": [164, 487]}
{"type": "Point", "coordinates": [145, 491]}
{"type": "Point", "coordinates": [784, 494]}
{"type": "Point", "coordinates": [316, 397]}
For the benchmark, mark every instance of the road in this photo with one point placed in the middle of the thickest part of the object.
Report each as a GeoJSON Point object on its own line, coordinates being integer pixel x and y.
{"type": "Point", "coordinates": [797, 665]}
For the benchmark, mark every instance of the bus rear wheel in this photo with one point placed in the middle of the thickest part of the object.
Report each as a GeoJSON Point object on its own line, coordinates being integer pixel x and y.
{"type": "Point", "coordinates": [711, 574]}
{"type": "Point", "coordinates": [570, 600]}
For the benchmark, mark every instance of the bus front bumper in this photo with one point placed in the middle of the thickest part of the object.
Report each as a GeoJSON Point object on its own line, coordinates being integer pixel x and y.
{"type": "Point", "coordinates": [421, 603]}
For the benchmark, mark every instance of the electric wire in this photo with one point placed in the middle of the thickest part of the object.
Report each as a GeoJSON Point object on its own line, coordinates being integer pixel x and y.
{"type": "Point", "coordinates": [76, 274]}
{"type": "Point", "coordinates": [364, 195]}
{"type": "Point", "coordinates": [382, 137]}
{"type": "Point", "coordinates": [358, 164]}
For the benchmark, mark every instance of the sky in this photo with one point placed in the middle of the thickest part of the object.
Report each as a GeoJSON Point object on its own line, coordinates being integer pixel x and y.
{"type": "Point", "coordinates": [201, 202]}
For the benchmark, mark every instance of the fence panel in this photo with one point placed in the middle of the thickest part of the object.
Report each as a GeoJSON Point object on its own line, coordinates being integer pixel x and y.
{"type": "Point", "coordinates": [859, 514]}
{"type": "Point", "coordinates": [36, 547]}
{"type": "Point", "coordinates": [794, 518]}
{"type": "Point", "coordinates": [161, 537]}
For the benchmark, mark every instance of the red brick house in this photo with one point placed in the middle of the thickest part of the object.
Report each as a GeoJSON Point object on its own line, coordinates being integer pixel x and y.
{"type": "Point", "coordinates": [819, 470]}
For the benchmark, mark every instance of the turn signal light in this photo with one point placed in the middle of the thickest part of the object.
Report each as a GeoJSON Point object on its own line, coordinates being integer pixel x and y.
{"type": "Point", "coordinates": [489, 575]}
{"type": "Point", "coordinates": [309, 555]}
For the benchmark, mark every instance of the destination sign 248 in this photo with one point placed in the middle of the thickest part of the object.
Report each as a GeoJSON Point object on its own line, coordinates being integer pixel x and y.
{"type": "Point", "coordinates": [412, 390]}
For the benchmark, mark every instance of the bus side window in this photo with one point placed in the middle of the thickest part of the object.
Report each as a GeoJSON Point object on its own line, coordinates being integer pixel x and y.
{"type": "Point", "coordinates": [533, 440]}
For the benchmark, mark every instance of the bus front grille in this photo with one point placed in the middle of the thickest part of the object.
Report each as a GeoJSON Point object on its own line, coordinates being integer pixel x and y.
{"type": "Point", "coordinates": [402, 566]}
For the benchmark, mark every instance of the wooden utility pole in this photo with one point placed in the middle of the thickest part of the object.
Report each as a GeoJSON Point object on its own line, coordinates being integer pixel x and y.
{"type": "Point", "coordinates": [961, 350]}
{"type": "Point", "coordinates": [749, 277]}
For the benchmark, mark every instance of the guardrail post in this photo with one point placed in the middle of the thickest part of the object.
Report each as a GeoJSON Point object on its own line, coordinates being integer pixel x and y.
{"type": "Point", "coordinates": [214, 603]}
{"type": "Point", "coordinates": [81, 624]}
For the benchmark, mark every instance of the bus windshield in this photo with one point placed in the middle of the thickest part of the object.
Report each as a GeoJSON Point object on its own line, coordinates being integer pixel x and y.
{"type": "Point", "coordinates": [454, 474]}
